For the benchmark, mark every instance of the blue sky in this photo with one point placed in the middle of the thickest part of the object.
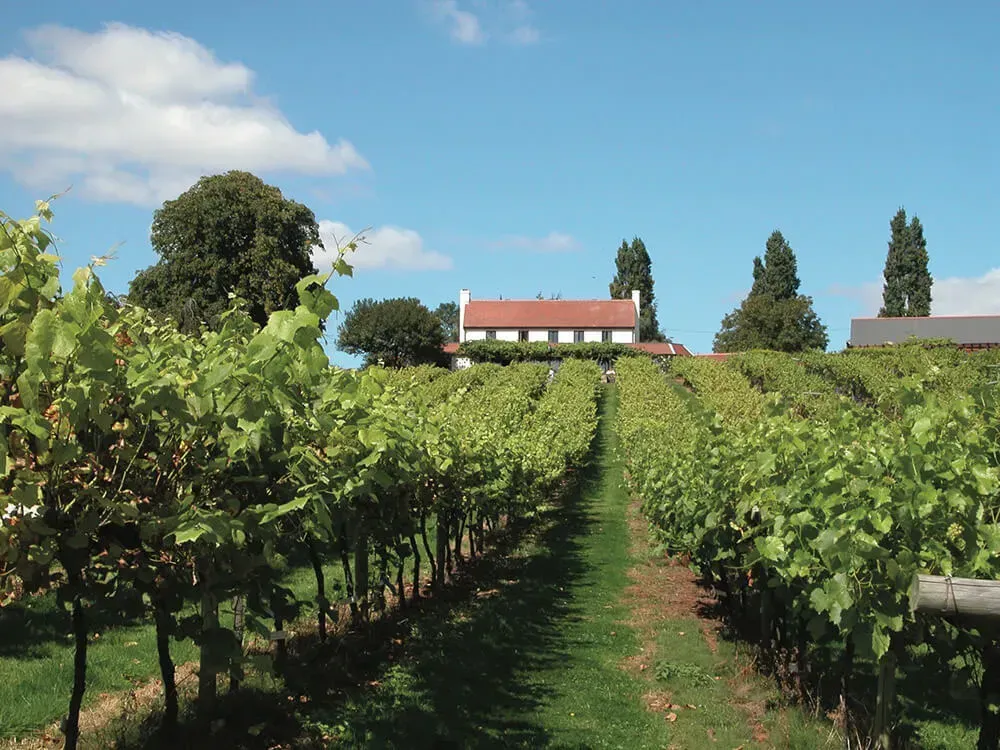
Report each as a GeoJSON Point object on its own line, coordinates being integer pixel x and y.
{"type": "Point", "coordinates": [509, 146]}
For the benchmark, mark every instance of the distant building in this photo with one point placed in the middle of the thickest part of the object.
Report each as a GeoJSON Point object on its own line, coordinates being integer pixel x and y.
{"type": "Point", "coordinates": [970, 332]}
{"type": "Point", "coordinates": [555, 322]}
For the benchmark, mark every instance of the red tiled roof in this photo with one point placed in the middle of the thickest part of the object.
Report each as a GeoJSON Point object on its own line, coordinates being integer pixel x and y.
{"type": "Point", "coordinates": [550, 313]}
{"type": "Point", "coordinates": [717, 355]}
{"type": "Point", "coordinates": [451, 347]}
{"type": "Point", "coordinates": [664, 349]}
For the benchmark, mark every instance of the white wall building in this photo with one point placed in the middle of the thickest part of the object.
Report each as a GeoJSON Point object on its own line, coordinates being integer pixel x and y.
{"type": "Point", "coordinates": [554, 321]}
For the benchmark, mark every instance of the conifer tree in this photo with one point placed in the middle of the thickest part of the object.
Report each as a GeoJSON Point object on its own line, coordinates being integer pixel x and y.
{"type": "Point", "coordinates": [907, 288]}
{"type": "Point", "coordinates": [774, 315]}
{"type": "Point", "coordinates": [780, 278]}
{"type": "Point", "coordinates": [919, 297]}
{"type": "Point", "coordinates": [894, 289]}
{"type": "Point", "coordinates": [634, 271]}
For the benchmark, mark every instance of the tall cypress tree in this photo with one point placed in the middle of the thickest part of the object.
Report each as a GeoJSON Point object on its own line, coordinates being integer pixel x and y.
{"type": "Point", "coordinates": [907, 290]}
{"type": "Point", "coordinates": [634, 270]}
{"type": "Point", "coordinates": [918, 302]}
{"type": "Point", "coordinates": [894, 289]}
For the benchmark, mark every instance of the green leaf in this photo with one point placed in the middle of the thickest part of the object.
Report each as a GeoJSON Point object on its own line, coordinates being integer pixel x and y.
{"type": "Point", "coordinates": [771, 548]}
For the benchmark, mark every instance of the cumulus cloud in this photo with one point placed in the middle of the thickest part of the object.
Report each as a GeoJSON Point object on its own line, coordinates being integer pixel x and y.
{"type": "Point", "coordinates": [553, 242]}
{"type": "Point", "coordinates": [382, 248]}
{"type": "Point", "coordinates": [955, 295]}
{"type": "Point", "coordinates": [132, 115]}
{"type": "Point", "coordinates": [508, 21]}
{"type": "Point", "coordinates": [979, 295]}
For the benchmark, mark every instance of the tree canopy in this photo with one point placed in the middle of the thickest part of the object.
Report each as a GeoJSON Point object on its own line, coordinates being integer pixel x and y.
{"type": "Point", "coordinates": [227, 234]}
{"type": "Point", "coordinates": [399, 332]}
{"type": "Point", "coordinates": [773, 315]}
{"type": "Point", "coordinates": [634, 270]}
{"type": "Point", "coordinates": [447, 313]}
{"type": "Point", "coordinates": [907, 288]}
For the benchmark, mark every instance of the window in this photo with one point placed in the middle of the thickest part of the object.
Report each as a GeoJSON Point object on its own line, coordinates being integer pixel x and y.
{"type": "Point", "coordinates": [491, 335]}
{"type": "Point", "coordinates": [553, 337]}
{"type": "Point", "coordinates": [577, 337]}
{"type": "Point", "coordinates": [522, 335]}
{"type": "Point", "coordinates": [606, 335]}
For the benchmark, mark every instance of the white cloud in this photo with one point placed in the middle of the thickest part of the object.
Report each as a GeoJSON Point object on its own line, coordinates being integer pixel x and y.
{"type": "Point", "coordinates": [507, 20]}
{"type": "Point", "coordinates": [131, 115]}
{"type": "Point", "coordinates": [463, 26]}
{"type": "Point", "coordinates": [553, 242]}
{"type": "Point", "coordinates": [525, 35]}
{"type": "Point", "coordinates": [383, 248]}
{"type": "Point", "coordinates": [955, 295]}
{"type": "Point", "coordinates": [979, 295]}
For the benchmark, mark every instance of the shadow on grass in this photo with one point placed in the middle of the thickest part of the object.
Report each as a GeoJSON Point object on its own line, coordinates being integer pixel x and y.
{"type": "Point", "coordinates": [30, 625]}
{"type": "Point", "coordinates": [455, 671]}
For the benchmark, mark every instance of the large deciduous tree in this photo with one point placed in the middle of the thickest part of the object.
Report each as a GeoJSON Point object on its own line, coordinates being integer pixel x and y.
{"type": "Point", "coordinates": [227, 234]}
{"type": "Point", "coordinates": [447, 313]}
{"type": "Point", "coordinates": [774, 315]}
{"type": "Point", "coordinates": [907, 282]}
{"type": "Point", "coordinates": [633, 270]}
{"type": "Point", "coordinates": [396, 332]}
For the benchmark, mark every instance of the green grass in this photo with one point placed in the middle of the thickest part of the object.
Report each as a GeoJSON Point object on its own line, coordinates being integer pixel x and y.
{"type": "Point", "coordinates": [36, 662]}
{"type": "Point", "coordinates": [714, 697]}
{"type": "Point", "coordinates": [36, 654]}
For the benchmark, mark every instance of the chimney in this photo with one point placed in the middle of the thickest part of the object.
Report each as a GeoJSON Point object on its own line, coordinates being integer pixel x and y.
{"type": "Point", "coordinates": [464, 297]}
{"type": "Point", "coordinates": [638, 309]}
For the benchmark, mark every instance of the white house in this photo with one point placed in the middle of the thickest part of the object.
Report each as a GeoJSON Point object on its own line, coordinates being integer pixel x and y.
{"type": "Point", "coordinates": [555, 322]}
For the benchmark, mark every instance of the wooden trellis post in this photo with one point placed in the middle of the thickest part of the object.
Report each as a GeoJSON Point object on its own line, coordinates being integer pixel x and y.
{"type": "Point", "coordinates": [975, 603]}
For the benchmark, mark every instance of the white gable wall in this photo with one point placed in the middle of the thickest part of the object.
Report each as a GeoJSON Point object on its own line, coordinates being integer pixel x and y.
{"type": "Point", "coordinates": [618, 335]}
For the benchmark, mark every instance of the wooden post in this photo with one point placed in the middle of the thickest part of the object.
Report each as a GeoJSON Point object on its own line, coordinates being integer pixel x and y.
{"type": "Point", "coordinates": [883, 702]}
{"type": "Point", "coordinates": [955, 597]}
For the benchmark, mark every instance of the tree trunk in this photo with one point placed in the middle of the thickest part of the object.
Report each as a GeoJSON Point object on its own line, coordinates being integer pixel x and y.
{"type": "Point", "coordinates": [847, 668]}
{"type": "Point", "coordinates": [442, 548]}
{"type": "Point", "coordinates": [401, 584]}
{"type": "Point", "coordinates": [170, 708]}
{"type": "Point", "coordinates": [459, 533]}
{"type": "Point", "coordinates": [345, 563]}
{"type": "Point", "coordinates": [416, 566]}
{"type": "Point", "coordinates": [427, 549]}
{"type": "Point", "coordinates": [361, 573]}
{"type": "Point", "coordinates": [280, 641]}
{"type": "Point", "coordinates": [766, 611]}
{"type": "Point", "coordinates": [989, 699]}
{"type": "Point", "coordinates": [239, 626]}
{"type": "Point", "coordinates": [802, 663]}
{"type": "Point", "coordinates": [79, 675]}
{"type": "Point", "coordinates": [207, 688]}
{"type": "Point", "coordinates": [321, 602]}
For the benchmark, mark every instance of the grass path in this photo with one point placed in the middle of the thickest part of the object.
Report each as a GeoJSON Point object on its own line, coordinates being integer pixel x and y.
{"type": "Point", "coordinates": [580, 637]}
{"type": "Point", "coordinates": [532, 658]}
